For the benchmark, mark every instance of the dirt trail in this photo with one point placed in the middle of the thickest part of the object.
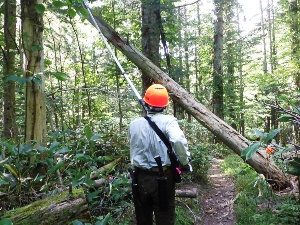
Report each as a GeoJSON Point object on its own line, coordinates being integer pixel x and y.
{"type": "Point", "coordinates": [217, 198]}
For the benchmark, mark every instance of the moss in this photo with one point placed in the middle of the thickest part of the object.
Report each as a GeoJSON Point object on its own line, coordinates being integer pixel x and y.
{"type": "Point", "coordinates": [40, 205]}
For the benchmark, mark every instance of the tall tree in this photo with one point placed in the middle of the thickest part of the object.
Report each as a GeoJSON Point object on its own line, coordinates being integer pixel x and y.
{"type": "Point", "coordinates": [218, 89]}
{"type": "Point", "coordinates": [294, 9]}
{"type": "Point", "coordinates": [230, 56]}
{"type": "Point", "coordinates": [241, 78]}
{"type": "Point", "coordinates": [263, 33]}
{"type": "Point", "coordinates": [35, 101]}
{"type": "Point", "coordinates": [150, 35]}
{"type": "Point", "coordinates": [9, 68]}
{"type": "Point", "coordinates": [272, 54]}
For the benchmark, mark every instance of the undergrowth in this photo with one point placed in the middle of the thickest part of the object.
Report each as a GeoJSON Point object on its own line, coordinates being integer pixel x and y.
{"type": "Point", "coordinates": [69, 160]}
{"type": "Point", "coordinates": [255, 202]}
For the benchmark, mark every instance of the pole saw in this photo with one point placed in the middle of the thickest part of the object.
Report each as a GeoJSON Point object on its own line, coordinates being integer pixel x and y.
{"type": "Point", "coordinates": [141, 101]}
{"type": "Point", "coordinates": [173, 157]}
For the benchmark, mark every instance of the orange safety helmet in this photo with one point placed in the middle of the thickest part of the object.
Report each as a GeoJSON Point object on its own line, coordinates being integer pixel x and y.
{"type": "Point", "coordinates": [157, 96]}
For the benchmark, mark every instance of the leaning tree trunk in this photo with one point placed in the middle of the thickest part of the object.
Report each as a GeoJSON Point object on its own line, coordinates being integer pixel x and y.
{"type": "Point", "coordinates": [218, 127]}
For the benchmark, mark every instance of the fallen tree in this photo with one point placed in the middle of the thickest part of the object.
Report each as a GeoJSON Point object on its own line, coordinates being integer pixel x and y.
{"type": "Point", "coordinates": [60, 209]}
{"type": "Point", "coordinates": [218, 127]}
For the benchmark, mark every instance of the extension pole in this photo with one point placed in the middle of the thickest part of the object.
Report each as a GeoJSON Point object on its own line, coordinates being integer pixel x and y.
{"type": "Point", "coordinates": [114, 57]}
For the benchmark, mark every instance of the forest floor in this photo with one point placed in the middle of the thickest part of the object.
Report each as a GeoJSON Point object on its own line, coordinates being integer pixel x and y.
{"type": "Point", "coordinates": [217, 198]}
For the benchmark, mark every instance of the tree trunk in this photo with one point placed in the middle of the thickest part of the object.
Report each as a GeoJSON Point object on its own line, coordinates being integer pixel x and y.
{"type": "Point", "coordinates": [218, 127]}
{"type": "Point", "coordinates": [9, 116]}
{"type": "Point", "coordinates": [218, 91]}
{"type": "Point", "coordinates": [265, 66]}
{"type": "Point", "coordinates": [294, 9]}
{"type": "Point", "coordinates": [150, 36]}
{"type": "Point", "coordinates": [230, 64]}
{"type": "Point", "coordinates": [35, 100]}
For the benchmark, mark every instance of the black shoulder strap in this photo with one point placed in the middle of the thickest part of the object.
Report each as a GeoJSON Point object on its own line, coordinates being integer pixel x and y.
{"type": "Point", "coordinates": [173, 158]}
{"type": "Point", "coordinates": [159, 133]}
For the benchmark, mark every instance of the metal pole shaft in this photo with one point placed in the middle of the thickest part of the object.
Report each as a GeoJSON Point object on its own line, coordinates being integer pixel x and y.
{"type": "Point", "coordinates": [113, 55]}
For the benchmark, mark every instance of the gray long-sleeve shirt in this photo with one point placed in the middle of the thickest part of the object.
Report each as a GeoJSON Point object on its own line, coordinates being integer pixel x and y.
{"type": "Point", "coordinates": [145, 144]}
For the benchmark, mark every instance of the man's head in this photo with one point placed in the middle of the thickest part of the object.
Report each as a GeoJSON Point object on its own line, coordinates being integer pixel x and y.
{"type": "Point", "coordinates": [156, 98]}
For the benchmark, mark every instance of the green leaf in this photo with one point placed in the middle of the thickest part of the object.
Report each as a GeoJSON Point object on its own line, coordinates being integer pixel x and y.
{"type": "Point", "coordinates": [295, 108]}
{"type": "Point", "coordinates": [62, 150]}
{"type": "Point", "coordinates": [59, 76]}
{"type": "Point", "coordinates": [293, 167]}
{"type": "Point", "coordinates": [88, 132]}
{"type": "Point", "coordinates": [54, 145]}
{"type": "Point", "coordinates": [82, 12]}
{"type": "Point", "coordinates": [56, 167]}
{"type": "Point", "coordinates": [95, 137]}
{"type": "Point", "coordinates": [250, 150]}
{"type": "Point", "coordinates": [19, 80]}
{"type": "Point", "coordinates": [36, 47]}
{"type": "Point", "coordinates": [285, 118]}
{"type": "Point", "coordinates": [10, 148]}
{"type": "Point", "coordinates": [40, 8]}
{"type": "Point", "coordinates": [13, 170]}
{"type": "Point", "coordinates": [259, 133]}
{"type": "Point", "coordinates": [5, 222]}
{"type": "Point", "coordinates": [271, 135]}
{"type": "Point", "coordinates": [58, 4]}
{"type": "Point", "coordinates": [77, 222]}
{"type": "Point", "coordinates": [104, 221]}
{"type": "Point", "coordinates": [71, 13]}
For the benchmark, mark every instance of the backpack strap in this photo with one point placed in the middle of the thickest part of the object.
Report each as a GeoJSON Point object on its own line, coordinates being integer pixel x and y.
{"type": "Point", "coordinates": [159, 133]}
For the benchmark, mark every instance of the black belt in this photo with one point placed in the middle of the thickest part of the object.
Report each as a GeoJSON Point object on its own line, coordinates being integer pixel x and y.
{"type": "Point", "coordinates": [153, 170]}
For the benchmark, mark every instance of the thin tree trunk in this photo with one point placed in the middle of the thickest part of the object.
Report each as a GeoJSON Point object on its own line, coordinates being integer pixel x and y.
{"type": "Point", "coordinates": [270, 30]}
{"type": "Point", "coordinates": [117, 74]}
{"type": "Point", "coordinates": [178, 77]}
{"type": "Point", "coordinates": [241, 80]}
{"type": "Point", "coordinates": [295, 45]}
{"type": "Point", "coordinates": [265, 67]}
{"type": "Point", "coordinates": [86, 104]}
{"type": "Point", "coordinates": [217, 126]}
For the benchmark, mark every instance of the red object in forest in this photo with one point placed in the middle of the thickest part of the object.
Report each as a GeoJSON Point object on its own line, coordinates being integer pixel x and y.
{"type": "Point", "coordinates": [269, 150]}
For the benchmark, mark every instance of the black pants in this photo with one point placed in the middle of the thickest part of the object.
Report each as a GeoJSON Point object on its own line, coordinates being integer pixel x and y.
{"type": "Point", "coordinates": [149, 198]}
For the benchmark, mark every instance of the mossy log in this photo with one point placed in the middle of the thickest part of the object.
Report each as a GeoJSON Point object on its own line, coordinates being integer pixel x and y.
{"type": "Point", "coordinates": [60, 209]}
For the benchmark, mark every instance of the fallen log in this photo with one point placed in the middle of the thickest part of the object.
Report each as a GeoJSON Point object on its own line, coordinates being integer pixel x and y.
{"type": "Point", "coordinates": [60, 209]}
{"type": "Point", "coordinates": [224, 132]}
{"type": "Point", "coordinates": [186, 191]}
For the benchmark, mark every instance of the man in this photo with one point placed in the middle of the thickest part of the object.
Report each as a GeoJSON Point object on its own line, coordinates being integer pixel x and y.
{"type": "Point", "coordinates": [145, 144]}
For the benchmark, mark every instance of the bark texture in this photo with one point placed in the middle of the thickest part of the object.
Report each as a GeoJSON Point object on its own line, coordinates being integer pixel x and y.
{"type": "Point", "coordinates": [32, 31]}
{"type": "Point", "coordinates": [218, 127]}
{"type": "Point", "coordinates": [9, 68]}
{"type": "Point", "coordinates": [57, 209]}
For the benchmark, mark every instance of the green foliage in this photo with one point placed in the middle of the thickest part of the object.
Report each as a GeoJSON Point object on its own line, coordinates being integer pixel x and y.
{"type": "Point", "coordinates": [40, 8]}
{"type": "Point", "coordinates": [200, 163]}
{"type": "Point", "coordinates": [5, 222]}
{"type": "Point", "coordinates": [255, 201]}
{"type": "Point", "coordinates": [264, 139]}
{"type": "Point", "coordinates": [293, 166]}
{"type": "Point", "coordinates": [187, 211]}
